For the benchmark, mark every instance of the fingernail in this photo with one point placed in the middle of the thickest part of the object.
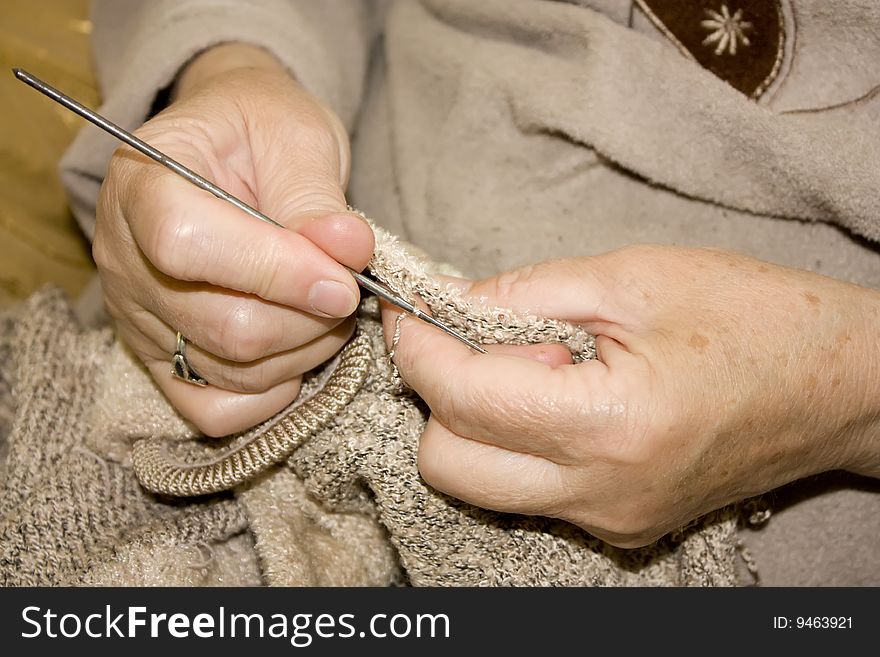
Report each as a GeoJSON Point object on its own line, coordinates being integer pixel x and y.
{"type": "Point", "coordinates": [332, 298]}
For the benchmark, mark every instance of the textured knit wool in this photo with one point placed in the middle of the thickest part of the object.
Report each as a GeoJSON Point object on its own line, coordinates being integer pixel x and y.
{"type": "Point", "coordinates": [69, 515]}
{"type": "Point", "coordinates": [347, 505]}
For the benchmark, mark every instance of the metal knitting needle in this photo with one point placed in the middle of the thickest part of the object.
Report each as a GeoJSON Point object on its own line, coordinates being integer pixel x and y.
{"type": "Point", "coordinates": [208, 186]}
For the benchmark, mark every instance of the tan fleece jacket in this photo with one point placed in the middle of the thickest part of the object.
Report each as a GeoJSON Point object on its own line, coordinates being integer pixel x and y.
{"type": "Point", "coordinates": [581, 126]}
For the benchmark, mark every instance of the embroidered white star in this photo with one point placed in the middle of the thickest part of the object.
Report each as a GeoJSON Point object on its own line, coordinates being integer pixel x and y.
{"type": "Point", "coordinates": [727, 30]}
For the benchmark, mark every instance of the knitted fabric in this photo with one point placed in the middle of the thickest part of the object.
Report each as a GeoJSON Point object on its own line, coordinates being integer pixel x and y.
{"type": "Point", "coordinates": [344, 506]}
{"type": "Point", "coordinates": [70, 516]}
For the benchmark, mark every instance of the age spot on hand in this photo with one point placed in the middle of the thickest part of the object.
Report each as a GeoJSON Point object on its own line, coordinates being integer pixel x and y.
{"type": "Point", "coordinates": [698, 342]}
{"type": "Point", "coordinates": [812, 299]}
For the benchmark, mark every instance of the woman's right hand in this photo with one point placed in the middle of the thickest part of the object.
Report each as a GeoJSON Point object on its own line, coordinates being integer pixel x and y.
{"type": "Point", "coordinates": [258, 305]}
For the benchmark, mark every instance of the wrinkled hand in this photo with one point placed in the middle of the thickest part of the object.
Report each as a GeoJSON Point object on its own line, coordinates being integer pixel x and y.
{"type": "Point", "coordinates": [258, 305]}
{"type": "Point", "coordinates": [718, 377]}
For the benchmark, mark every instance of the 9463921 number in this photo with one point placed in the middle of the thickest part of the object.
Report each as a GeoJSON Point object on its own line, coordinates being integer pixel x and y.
{"type": "Point", "coordinates": [823, 622]}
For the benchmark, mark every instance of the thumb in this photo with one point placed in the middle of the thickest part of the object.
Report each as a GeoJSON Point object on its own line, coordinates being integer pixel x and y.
{"type": "Point", "coordinates": [571, 289]}
{"type": "Point", "coordinates": [344, 236]}
{"type": "Point", "coordinates": [302, 188]}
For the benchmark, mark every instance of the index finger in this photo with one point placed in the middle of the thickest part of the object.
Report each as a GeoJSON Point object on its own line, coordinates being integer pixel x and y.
{"type": "Point", "coordinates": [190, 235]}
{"type": "Point", "coordinates": [519, 404]}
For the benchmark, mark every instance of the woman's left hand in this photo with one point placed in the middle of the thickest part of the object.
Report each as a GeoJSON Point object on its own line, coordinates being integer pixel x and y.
{"type": "Point", "coordinates": [718, 377]}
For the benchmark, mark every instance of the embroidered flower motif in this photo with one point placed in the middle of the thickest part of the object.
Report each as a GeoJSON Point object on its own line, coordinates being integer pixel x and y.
{"type": "Point", "coordinates": [727, 30]}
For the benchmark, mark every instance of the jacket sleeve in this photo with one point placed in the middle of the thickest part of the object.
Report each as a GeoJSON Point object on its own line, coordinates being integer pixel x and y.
{"type": "Point", "coordinates": [141, 45]}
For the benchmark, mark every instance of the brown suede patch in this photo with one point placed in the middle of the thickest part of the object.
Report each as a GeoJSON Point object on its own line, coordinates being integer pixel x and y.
{"type": "Point", "coordinates": [740, 41]}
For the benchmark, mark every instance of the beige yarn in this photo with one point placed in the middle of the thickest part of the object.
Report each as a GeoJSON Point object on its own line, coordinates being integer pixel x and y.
{"type": "Point", "coordinates": [155, 469]}
{"type": "Point", "coordinates": [347, 507]}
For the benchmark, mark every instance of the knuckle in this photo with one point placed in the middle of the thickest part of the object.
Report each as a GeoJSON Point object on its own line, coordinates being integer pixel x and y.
{"type": "Point", "coordinates": [511, 284]}
{"type": "Point", "coordinates": [635, 436]}
{"type": "Point", "coordinates": [478, 413]}
{"type": "Point", "coordinates": [313, 190]}
{"type": "Point", "coordinates": [107, 205]}
{"type": "Point", "coordinates": [268, 277]}
{"type": "Point", "coordinates": [243, 337]}
{"type": "Point", "coordinates": [527, 491]}
{"type": "Point", "coordinates": [101, 254]}
{"type": "Point", "coordinates": [638, 251]}
{"type": "Point", "coordinates": [128, 181]}
{"type": "Point", "coordinates": [478, 409]}
{"type": "Point", "coordinates": [628, 448]}
{"type": "Point", "coordinates": [622, 521]}
{"type": "Point", "coordinates": [269, 269]}
{"type": "Point", "coordinates": [117, 167]}
{"type": "Point", "coordinates": [627, 525]}
{"type": "Point", "coordinates": [636, 537]}
{"type": "Point", "coordinates": [183, 248]}
{"type": "Point", "coordinates": [313, 131]}
{"type": "Point", "coordinates": [167, 230]}
{"type": "Point", "coordinates": [246, 379]}
{"type": "Point", "coordinates": [314, 195]}
{"type": "Point", "coordinates": [452, 405]}
{"type": "Point", "coordinates": [105, 241]}
{"type": "Point", "coordinates": [451, 411]}
{"type": "Point", "coordinates": [170, 248]}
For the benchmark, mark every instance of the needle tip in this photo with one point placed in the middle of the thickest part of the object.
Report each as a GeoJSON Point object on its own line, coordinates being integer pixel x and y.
{"type": "Point", "coordinates": [17, 72]}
